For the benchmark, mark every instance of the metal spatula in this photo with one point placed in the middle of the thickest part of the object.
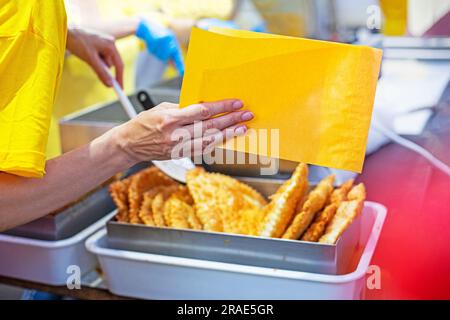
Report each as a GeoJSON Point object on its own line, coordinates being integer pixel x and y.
{"type": "Point", "coordinates": [176, 168]}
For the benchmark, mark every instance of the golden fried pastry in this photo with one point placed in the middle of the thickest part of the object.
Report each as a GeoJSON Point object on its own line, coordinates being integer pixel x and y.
{"type": "Point", "coordinates": [279, 212]}
{"type": "Point", "coordinates": [357, 193]}
{"type": "Point", "coordinates": [340, 194]}
{"type": "Point", "coordinates": [182, 194]}
{"type": "Point", "coordinates": [215, 202]}
{"type": "Point", "coordinates": [176, 213]}
{"type": "Point", "coordinates": [236, 197]}
{"type": "Point", "coordinates": [142, 182]}
{"type": "Point", "coordinates": [203, 197]}
{"type": "Point", "coordinates": [219, 198]}
{"type": "Point", "coordinates": [316, 230]}
{"type": "Point", "coordinates": [250, 197]}
{"type": "Point", "coordinates": [315, 201]}
{"type": "Point", "coordinates": [249, 221]}
{"type": "Point", "coordinates": [145, 212]}
{"type": "Point", "coordinates": [345, 214]}
{"type": "Point", "coordinates": [194, 221]}
{"type": "Point", "coordinates": [158, 210]}
{"type": "Point", "coordinates": [119, 194]}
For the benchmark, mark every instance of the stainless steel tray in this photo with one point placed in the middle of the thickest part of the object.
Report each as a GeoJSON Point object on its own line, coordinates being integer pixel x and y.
{"type": "Point", "coordinates": [69, 221]}
{"type": "Point", "coordinates": [239, 249]}
{"type": "Point", "coordinates": [77, 216]}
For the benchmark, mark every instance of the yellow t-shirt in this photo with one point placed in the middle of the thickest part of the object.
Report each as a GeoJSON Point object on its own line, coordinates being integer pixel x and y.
{"type": "Point", "coordinates": [80, 87]}
{"type": "Point", "coordinates": [32, 46]}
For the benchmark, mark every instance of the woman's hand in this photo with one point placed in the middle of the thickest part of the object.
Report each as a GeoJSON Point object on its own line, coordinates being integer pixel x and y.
{"type": "Point", "coordinates": [157, 134]}
{"type": "Point", "coordinates": [94, 49]}
{"type": "Point", "coordinates": [150, 136]}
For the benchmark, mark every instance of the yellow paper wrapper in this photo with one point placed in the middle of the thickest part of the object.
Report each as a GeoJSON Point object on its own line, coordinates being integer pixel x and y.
{"type": "Point", "coordinates": [319, 95]}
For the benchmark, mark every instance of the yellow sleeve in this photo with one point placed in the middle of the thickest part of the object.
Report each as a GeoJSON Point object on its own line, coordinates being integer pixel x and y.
{"type": "Point", "coordinates": [32, 46]}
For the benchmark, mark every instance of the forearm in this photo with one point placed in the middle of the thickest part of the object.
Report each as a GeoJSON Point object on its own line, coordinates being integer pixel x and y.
{"type": "Point", "coordinates": [120, 28]}
{"type": "Point", "coordinates": [68, 178]}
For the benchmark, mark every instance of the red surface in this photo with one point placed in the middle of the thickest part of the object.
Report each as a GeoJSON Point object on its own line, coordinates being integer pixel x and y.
{"type": "Point", "coordinates": [414, 248]}
{"type": "Point", "coordinates": [440, 28]}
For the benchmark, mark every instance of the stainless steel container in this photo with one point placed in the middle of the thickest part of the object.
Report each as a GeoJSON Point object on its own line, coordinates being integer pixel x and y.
{"type": "Point", "coordinates": [69, 221]}
{"type": "Point", "coordinates": [239, 249]}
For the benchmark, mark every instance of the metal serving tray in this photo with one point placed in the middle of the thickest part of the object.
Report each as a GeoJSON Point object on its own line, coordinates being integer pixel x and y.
{"type": "Point", "coordinates": [69, 221]}
{"type": "Point", "coordinates": [74, 217]}
{"type": "Point", "coordinates": [239, 249]}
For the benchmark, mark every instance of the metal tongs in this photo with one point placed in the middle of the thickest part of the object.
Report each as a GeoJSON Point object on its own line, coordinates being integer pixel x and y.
{"type": "Point", "coordinates": [174, 168]}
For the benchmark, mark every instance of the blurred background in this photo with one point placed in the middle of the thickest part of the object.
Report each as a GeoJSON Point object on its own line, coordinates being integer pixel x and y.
{"type": "Point", "coordinates": [412, 101]}
{"type": "Point", "coordinates": [337, 20]}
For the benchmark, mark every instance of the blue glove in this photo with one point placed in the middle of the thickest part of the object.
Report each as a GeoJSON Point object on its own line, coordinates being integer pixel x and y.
{"type": "Point", "coordinates": [262, 27]}
{"type": "Point", "coordinates": [207, 23]}
{"type": "Point", "coordinates": [161, 42]}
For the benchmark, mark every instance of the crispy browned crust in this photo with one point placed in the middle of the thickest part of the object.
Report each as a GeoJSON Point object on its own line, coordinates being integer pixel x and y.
{"type": "Point", "coordinates": [119, 194]}
{"type": "Point", "coordinates": [204, 199]}
{"type": "Point", "coordinates": [219, 198]}
{"type": "Point", "coordinates": [317, 228]}
{"type": "Point", "coordinates": [345, 214]}
{"type": "Point", "coordinates": [142, 182]}
{"type": "Point", "coordinates": [145, 212]}
{"type": "Point", "coordinates": [279, 212]}
{"type": "Point", "coordinates": [215, 202]}
{"type": "Point", "coordinates": [158, 210]}
{"type": "Point", "coordinates": [316, 200]}
{"type": "Point", "coordinates": [249, 221]}
{"type": "Point", "coordinates": [340, 194]}
{"type": "Point", "coordinates": [177, 212]}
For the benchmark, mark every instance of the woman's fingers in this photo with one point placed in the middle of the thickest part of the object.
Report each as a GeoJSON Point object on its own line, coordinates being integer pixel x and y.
{"type": "Point", "coordinates": [206, 110]}
{"type": "Point", "coordinates": [207, 143]}
{"type": "Point", "coordinates": [97, 66]}
{"type": "Point", "coordinates": [222, 122]}
{"type": "Point", "coordinates": [117, 62]}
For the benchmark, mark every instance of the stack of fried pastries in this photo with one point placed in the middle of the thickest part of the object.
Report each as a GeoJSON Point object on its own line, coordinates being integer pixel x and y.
{"type": "Point", "coordinates": [219, 203]}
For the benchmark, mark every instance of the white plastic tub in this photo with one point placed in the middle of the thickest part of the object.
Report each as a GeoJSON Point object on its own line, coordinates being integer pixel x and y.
{"type": "Point", "coordinates": [47, 261]}
{"type": "Point", "coordinates": [151, 276]}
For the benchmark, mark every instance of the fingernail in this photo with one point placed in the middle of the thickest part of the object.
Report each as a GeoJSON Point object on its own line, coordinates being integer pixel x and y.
{"type": "Point", "coordinates": [247, 116]}
{"type": "Point", "coordinates": [240, 130]}
{"type": "Point", "coordinates": [237, 104]}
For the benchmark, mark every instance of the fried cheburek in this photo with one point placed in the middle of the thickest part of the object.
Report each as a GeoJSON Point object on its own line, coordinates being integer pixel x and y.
{"type": "Point", "coordinates": [119, 194]}
{"type": "Point", "coordinates": [317, 228]}
{"type": "Point", "coordinates": [146, 212]}
{"type": "Point", "coordinates": [279, 212]}
{"type": "Point", "coordinates": [179, 214]}
{"type": "Point", "coordinates": [314, 203]}
{"type": "Point", "coordinates": [140, 183]}
{"type": "Point", "coordinates": [347, 212]}
{"type": "Point", "coordinates": [215, 202]}
{"type": "Point", "coordinates": [249, 221]}
{"type": "Point", "coordinates": [219, 198]}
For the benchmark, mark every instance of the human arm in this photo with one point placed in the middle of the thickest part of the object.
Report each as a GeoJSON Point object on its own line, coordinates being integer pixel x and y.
{"type": "Point", "coordinates": [95, 49]}
{"type": "Point", "coordinates": [147, 137]}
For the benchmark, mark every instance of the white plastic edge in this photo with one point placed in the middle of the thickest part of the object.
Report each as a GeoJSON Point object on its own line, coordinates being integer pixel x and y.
{"type": "Point", "coordinates": [366, 256]}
